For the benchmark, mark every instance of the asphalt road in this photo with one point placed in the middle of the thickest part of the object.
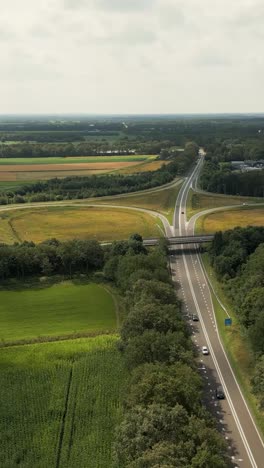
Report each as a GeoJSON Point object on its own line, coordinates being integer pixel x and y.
{"type": "Point", "coordinates": [233, 415]}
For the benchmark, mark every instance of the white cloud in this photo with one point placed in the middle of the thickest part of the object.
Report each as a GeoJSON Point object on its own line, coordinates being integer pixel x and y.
{"type": "Point", "coordinates": [131, 56]}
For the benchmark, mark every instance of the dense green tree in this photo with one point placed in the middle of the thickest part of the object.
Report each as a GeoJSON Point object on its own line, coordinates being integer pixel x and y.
{"type": "Point", "coordinates": [166, 385]}
{"type": "Point", "coordinates": [153, 346]}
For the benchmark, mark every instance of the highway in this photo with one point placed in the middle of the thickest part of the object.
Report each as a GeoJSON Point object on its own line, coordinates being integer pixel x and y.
{"type": "Point", "coordinates": [233, 415]}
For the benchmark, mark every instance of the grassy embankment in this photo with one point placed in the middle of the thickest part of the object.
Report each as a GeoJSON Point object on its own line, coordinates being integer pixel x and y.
{"type": "Point", "coordinates": [64, 223]}
{"type": "Point", "coordinates": [59, 402]}
{"type": "Point", "coordinates": [162, 201]}
{"type": "Point", "coordinates": [235, 342]}
{"type": "Point", "coordinates": [229, 219]}
{"type": "Point", "coordinates": [203, 201]}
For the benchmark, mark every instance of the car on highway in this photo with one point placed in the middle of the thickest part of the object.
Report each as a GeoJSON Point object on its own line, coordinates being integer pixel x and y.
{"type": "Point", "coordinates": [219, 393]}
{"type": "Point", "coordinates": [205, 350]}
{"type": "Point", "coordinates": [195, 318]}
{"type": "Point", "coordinates": [182, 212]}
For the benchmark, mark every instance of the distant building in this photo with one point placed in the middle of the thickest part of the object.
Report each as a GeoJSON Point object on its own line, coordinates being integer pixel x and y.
{"type": "Point", "coordinates": [246, 166]}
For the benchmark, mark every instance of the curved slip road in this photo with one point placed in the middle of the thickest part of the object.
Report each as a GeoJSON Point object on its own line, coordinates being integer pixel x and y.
{"type": "Point", "coordinates": [234, 418]}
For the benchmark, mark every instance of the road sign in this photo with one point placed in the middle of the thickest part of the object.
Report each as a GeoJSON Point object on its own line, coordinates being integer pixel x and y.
{"type": "Point", "coordinates": [228, 322]}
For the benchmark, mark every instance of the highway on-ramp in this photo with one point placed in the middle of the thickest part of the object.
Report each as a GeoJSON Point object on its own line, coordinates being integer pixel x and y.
{"type": "Point", "coordinates": [233, 415]}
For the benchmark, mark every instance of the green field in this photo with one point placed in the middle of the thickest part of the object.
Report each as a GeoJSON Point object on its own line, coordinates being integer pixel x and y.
{"type": "Point", "coordinates": [5, 186]}
{"type": "Point", "coordinates": [74, 160]}
{"type": "Point", "coordinates": [66, 222]}
{"type": "Point", "coordinates": [60, 403]}
{"type": "Point", "coordinates": [58, 310]}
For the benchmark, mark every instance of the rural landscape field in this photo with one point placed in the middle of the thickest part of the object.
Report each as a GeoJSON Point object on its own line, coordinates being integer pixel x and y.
{"type": "Point", "coordinates": [61, 403]}
{"type": "Point", "coordinates": [34, 169]}
{"type": "Point", "coordinates": [70, 390]}
{"type": "Point", "coordinates": [92, 222]}
{"type": "Point", "coordinates": [230, 219]}
{"type": "Point", "coordinates": [132, 234]}
{"type": "Point", "coordinates": [94, 346]}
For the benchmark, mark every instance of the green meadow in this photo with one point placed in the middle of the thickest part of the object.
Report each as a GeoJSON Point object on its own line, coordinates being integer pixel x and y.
{"type": "Point", "coordinates": [58, 310]}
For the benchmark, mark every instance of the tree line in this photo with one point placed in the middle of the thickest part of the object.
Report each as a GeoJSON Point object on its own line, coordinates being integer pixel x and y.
{"type": "Point", "coordinates": [219, 178]}
{"type": "Point", "coordinates": [218, 175]}
{"type": "Point", "coordinates": [101, 185]}
{"type": "Point", "coordinates": [164, 422]}
{"type": "Point", "coordinates": [50, 257]}
{"type": "Point", "coordinates": [238, 259]}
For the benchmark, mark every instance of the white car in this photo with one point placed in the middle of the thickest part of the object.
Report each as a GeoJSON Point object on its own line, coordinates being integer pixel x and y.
{"type": "Point", "coordinates": [205, 350]}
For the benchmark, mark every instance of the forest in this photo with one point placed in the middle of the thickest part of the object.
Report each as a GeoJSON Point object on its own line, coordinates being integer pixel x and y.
{"type": "Point", "coordinates": [220, 178]}
{"type": "Point", "coordinates": [238, 257]}
{"type": "Point", "coordinates": [218, 175]}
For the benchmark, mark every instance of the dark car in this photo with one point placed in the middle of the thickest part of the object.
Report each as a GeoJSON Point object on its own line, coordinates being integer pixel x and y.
{"type": "Point", "coordinates": [195, 318]}
{"type": "Point", "coordinates": [219, 393]}
{"type": "Point", "coordinates": [182, 212]}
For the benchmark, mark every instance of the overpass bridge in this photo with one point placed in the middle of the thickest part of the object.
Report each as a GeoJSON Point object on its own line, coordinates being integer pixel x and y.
{"type": "Point", "coordinates": [180, 240]}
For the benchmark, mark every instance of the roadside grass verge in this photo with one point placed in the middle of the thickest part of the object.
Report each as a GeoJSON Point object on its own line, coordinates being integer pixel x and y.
{"type": "Point", "coordinates": [65, 308]}
{"type": "Point", "coordinates": [229, 219]}
{"type": "Point", "coordinates": [60, 403]}
{"type": "Point", "coordinates": [235, 342]}
{"type": "Point", "coordinates": [162, 201]}
{"type": "Point", "coordinates": [197, 202]}
{"type": "Point", "coordinates": [66, 222]}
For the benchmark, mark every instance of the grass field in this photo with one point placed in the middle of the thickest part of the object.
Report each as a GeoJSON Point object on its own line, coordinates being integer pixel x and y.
{"type": "Point", "coordinates": [162, 201]}
{"type": "Point", "coordinates": [103, 224]}
{"type": "Point", "coordinates": [223, 220]}
{"type": "Point", "coordinates": [60, 403]}
{"type": "Point", "coordinates": [60, 309]}
{"type": "Point", "coordinates": [201, 201]}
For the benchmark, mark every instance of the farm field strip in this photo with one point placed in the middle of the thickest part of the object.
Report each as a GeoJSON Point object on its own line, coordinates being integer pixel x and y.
{"type": "Point", "coordinates": [45, 169]}
{"type": "Point", "coordinates": [66, 167]}
{"type": "Point", "coordinates": [60, 403]}
{"type": "Point", "coordinates": [74, 160]}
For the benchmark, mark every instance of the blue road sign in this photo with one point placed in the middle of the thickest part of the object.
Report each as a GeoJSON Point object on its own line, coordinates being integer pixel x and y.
{"type": "Point", "coordinates": [228, 322]}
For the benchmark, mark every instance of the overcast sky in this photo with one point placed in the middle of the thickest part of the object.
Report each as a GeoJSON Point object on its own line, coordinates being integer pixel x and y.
{"type": "Point", "coordinates": [131, 56]}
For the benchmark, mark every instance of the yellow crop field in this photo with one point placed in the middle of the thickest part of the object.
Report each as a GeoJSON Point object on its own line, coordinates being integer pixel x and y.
{"type": "Point", "coordinates": [64, 223]}
{"type": "Point", "coordinates": [222, 221]}
{"type": "Point", "coordinates": [144, 167]}
{"type": "Point", "coordinates": [203, 201]}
